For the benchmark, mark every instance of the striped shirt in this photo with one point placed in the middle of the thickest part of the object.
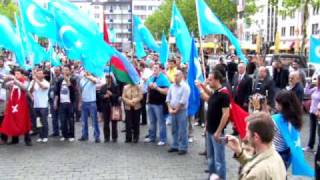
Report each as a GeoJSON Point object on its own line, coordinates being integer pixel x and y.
{"type": "Point", "coordinates": [278, 141]}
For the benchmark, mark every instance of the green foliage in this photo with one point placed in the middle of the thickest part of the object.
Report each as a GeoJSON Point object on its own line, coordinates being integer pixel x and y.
{"type": "Point", "coordinates": [8, 8]}
{"type": "Point", "coordinates": [226, 10]}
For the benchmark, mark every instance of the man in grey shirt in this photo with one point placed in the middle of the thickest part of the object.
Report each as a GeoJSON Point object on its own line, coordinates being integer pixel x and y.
{"type": "Point", "coordinates": [177, 101]}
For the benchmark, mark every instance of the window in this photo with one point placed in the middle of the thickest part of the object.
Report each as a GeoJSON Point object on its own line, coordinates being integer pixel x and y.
{"type": "Point", "coordinates": [315, 10]}
{"type": "Point", "coordinates": [140, 7]}
{"type": "Point", "coordinates": [96, 16]}
{"type": "Point", "coordinates": [315, 29]}
{"type": "Point", "coordinates": [291, 30]}
{"type": "Point", "coordinates": [247, 36]}
{"type": "Point", "coordinates": [150, 8]}
{"type": "Point", "coordinates": [96, 7]}
{"type": "Point", "coordinates": [283, 31]}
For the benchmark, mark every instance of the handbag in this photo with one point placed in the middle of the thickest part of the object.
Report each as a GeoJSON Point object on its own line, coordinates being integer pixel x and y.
{"type": "Point", "coordinates": [116, 113]}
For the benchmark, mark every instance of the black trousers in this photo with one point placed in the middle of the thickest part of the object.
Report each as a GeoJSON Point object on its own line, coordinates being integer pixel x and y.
{"type": "Point", "coordinates": [67, 120]}
{"type": "Point", "coordinates": [27, 138]}
{"type": "Point", "coordinates": [132, 124]}
{"type": "Point", "coordinates": [106, 113]}
{"type": "Point", "coordinates": [313, 130]}
{"type": "Point", "coordinates": [3, 137]}
{"type": "Point", "coordinates": [144, 109]}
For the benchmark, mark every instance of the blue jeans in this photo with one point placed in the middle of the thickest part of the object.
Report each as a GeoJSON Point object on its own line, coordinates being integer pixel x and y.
{"type": "Point", "coordinates": [55, 120]}
{"type": "Point", "coordinates": [42, 113]}
{"type": "Point", "coordinates": [86, 109]}
{"type": "Point", "coordinates": [155, 113]}
{"type": "Point", "coordinates": [216, 157]}
{"type": "Point", "coordinates": [179, 124]}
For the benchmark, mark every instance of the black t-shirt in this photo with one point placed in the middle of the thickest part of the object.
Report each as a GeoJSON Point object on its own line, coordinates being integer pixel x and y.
{"type": "Point", "coordinates": [217, 101]}
{"type": "Point", "coordinates": [155, 97]}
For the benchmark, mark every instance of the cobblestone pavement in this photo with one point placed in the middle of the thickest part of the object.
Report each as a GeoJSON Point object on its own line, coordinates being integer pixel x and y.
{"type": "Point", "coordinates": [114, 161]}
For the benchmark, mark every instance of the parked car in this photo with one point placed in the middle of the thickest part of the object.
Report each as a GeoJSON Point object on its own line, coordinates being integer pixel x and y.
{"type": "Point", "coordinates": [287, 59]}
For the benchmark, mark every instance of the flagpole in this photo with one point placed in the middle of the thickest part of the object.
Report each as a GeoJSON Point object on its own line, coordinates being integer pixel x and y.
{"type": "Point", "coordinates": [200, 42]}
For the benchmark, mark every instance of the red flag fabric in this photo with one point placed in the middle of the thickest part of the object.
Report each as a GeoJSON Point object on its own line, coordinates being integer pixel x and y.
{"type": "Point", "coordinates": [16, 120]}
{"type": "Point", "coordinates": [237, 115]}
{"type": "Point", "coordinates": [105, 30]}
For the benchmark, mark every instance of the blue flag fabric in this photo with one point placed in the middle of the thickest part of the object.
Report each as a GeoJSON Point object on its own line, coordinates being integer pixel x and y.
{"type": "Point", "coordinates": [210, 24]}
{"type": "Point", "coordinates": [37, 20]}
{"type": "Point", "coordinates": [179, 30]}
{"type": "Point", "coordinates": [9, 38]}
{"type": "Point", "coordinates": [138, 41]}
{"type": "Point", "coordinates": [161, 81]}
{"type": "Point", "coordinates": [52, 56]}
{"type": "Point", "coordinates": [75, 14]}
{"type": "Point", "coordinates": [314, 53]}
{"type": "Point", "coordinates": [194, 73]}
{"type": "Point", "coordinates": [292, 138]}
{"type": "Point", "coordinates": [164, 51]}
{"type": "Point", "coordinates": [81, 42]}
{"type": "Point", "coordinates": [144, 35]}
{"type": "Point", "coordinates": [33, 51]}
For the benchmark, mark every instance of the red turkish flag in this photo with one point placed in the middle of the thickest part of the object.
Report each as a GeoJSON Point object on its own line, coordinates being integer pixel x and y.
{"type": "Point", "coordinates": [17, 119]}
{"type": "Point", "coordinates": [105, 30]}
{"type": "Point", "coordinates": [237, 115]}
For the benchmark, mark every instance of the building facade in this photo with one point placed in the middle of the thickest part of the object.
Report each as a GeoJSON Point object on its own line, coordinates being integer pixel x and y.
{"type": "Point", "coordinates": [267, 22]}
{"type": "Point", "coordinates": [145, 8]}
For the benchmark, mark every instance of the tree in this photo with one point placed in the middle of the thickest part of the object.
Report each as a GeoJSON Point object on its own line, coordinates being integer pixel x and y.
{"type": "Point", "coordinates": [226, 10]}
{"type": "Point", "coordinates": [290, 6]}
{"type": "Point", "coordinates": [8, 8]}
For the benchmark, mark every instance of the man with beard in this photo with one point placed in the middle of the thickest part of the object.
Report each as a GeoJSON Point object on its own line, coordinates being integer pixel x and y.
{"type": "Point", "coordinates": [265, 163]}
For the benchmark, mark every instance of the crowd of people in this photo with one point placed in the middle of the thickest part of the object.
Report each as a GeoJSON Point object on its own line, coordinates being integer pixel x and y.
{"type": "Point", "coordinates": [69, 94]}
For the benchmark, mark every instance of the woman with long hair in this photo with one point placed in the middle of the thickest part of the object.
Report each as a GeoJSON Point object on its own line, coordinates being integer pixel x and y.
{"type": "Point", "coordinates": [109, 97]}
{"type": "Point", "coordinates": [289, 118]}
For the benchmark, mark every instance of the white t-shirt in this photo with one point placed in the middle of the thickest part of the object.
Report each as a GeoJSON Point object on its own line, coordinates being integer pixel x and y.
{"type": "Point", "coordinates": [41, 96]}
{"type": "Point", "coordinates": [64, 93]}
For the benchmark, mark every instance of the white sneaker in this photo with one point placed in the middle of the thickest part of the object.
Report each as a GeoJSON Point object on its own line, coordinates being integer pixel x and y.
{"type": "Point", "coordinates": [62, 139]}
{"type": "Point", "coordinates": [160, 143]}
{"type": "Point", "coordinates": [71, 139]}
{"type": "Point", "coordinates": [196, 124]}
{"type": "Point", "coordinates": [168, 122]}
{"type": "Point", "coordinates": [45, 140]}
{"type": "Point", "coordinates": [39, 140]}
{"type": "Point", "coordinates": [307, 149]}
{"type": "Point", "coordinates": [190, 140]}
{"type": "Point", "coordinates": [147, 140]}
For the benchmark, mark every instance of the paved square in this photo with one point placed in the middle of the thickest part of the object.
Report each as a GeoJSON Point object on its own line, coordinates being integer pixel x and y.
{"type": "Point", "coordinates": [113, 161]}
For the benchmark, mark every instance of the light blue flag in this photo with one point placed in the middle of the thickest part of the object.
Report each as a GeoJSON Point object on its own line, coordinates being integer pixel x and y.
{"type": "Point", "coordinates": [179, 30]}
{"type": "Point", "coordinates": [112, 35]}
{"type": "Point", "coordinates": [145, 35]}
{"type": "Point", "coordinates": [210, 24]}
{"type": "Point", "coordinates": [80, 42]}
{"type": "Point", "coordinates": [138, 41]}
{"type": "Point", "coordinates": [164, 51]}
{"type": "Point", "coordinates": [194, 73]}
{"type": "Point", "coordinates": [314, 53]}
{"type": "Point", "coordinates": [37, 20]}
{"type": "Point", "coordinates": [52, 56]}
{"type": "Point", "coordinates": [291, 136]}
{"type": "Point", "coordinates": [75, 14]}
{"type": "Point", "coordinates": [34, 53]}
{"type": "Point", "coordinates": [9, 38]}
